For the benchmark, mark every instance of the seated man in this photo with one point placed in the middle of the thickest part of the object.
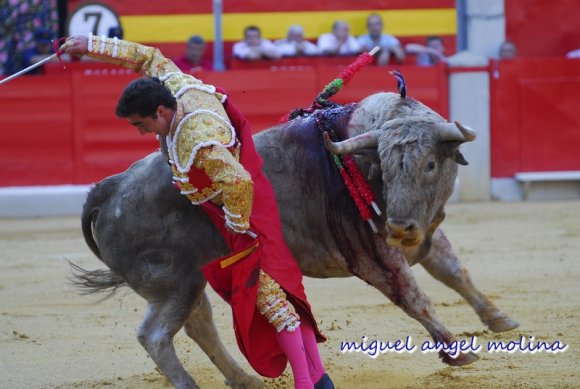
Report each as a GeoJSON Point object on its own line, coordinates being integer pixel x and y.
{"type": "Point", "coordinates": [430, 54]}
{"type": "Point", "coordinates": [295, 44]}
{"type": "Point", "coordinates": [389, 45]}
{"type": "Point", "coordinates": [253, 47]}
{"type": "Point", "coordinates": [193, 61]}
{"type": "Point", "coordinates": [339, 41]}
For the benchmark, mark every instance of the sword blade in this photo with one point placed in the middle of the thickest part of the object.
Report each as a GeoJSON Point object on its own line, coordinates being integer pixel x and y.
{"type": "Point", "coordinates": [33, 66]}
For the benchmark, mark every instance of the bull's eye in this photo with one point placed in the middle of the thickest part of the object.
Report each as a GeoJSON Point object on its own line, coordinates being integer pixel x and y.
{"type": "Point", "coordinates": [430, 166]}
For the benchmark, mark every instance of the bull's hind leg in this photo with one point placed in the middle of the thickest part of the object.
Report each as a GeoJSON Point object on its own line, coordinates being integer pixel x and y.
{"type": "Point", "coordinates": [200, 327]}
{"type": "Point", "coordinates": [162, 321]}
{"type": "Point", "coordinates": [443, 265]}
{"type": "Point", "coordinates": [393, 277]}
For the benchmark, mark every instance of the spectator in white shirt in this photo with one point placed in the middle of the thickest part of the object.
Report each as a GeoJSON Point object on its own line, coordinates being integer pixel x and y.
{"type": "Point", "coordinates": [253, 47]}
{"type": "Point", "coordinates": [389, 45]}
{"type": "Point", "coordinates": [339, 41]}
{"type": "Point", "coordinates": [295, 45]}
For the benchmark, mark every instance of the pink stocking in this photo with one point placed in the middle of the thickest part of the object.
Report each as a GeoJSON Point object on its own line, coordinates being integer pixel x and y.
{"type": "Point", "coordinates": [292, 345]}
{"type": "Point", "coordinates": [315, 365]}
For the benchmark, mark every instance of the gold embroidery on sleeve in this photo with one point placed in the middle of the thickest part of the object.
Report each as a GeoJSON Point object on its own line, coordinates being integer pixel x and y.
{"type": "Point", "coordinates": [234, 182]}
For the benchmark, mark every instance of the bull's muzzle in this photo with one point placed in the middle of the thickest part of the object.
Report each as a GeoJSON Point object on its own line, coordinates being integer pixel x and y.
{"type": "Point", "coordinates": [404, 232]}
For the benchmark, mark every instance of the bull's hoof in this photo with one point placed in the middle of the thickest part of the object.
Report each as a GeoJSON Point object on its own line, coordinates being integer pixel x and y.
{"type": "Point", "coordinates": [249, 382]}
{"type": "Point", "coordinates": [502, 324]}
{"type": "Point", "coordinates": [461, 360]}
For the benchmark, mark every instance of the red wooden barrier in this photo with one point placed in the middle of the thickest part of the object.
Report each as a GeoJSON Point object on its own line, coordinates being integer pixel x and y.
{"type": "Point", "coordinates": [541, 28]}
{"type": "Point", "coordinates": [103, 142]}
{"type": "Point", "coordinates": [535, 122]}
{"type": "Point", "coordinates": [60, 128]}
{"type": "Point", "coordinates": [265, 95]}
{"type": "Point", "coordinates": [36, 121]}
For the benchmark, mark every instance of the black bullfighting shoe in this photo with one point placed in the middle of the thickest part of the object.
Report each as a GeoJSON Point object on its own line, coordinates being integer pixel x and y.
{"type": "Point", "coordinates": [324, 383]}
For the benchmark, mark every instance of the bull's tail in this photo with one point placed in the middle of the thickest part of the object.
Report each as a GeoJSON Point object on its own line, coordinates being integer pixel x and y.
{"type": "Point", "coordinates": [95, 281]}
{"type": "Point", "coordinates": [89, 213]}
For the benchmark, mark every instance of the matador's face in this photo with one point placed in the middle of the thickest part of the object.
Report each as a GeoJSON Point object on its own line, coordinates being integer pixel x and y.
{"type": "Point", "coordinates": [158, 123]}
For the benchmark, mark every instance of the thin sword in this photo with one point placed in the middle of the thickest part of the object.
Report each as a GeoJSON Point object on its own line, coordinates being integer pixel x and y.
{"type": "Point", "coordinates": [34, 66]}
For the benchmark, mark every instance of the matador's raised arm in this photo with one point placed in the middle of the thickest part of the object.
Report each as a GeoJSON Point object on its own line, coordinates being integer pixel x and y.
{"type": "Point", "coordinates": [203, 137]}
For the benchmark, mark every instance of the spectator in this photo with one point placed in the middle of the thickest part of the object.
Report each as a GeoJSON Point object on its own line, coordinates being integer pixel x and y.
{"type": "Point", "coordinates": [42, 49]}
{"type": "Point", "coordinates": [389, 44]}
{"type": "Point", "coordinates": [507, 50]}
{"type": "Point", "coordinates": [339, 41]}
{"type": "Point", "coordinates": [18, 21]}
{"type": "Point", "coordinates": [254, 47]}
{"type": "Point", "coordinates": [295, 44]}
{"type": "Point", "coordinates": [193, 61]}
{"type": "Point", "coordinates": [430, 54]}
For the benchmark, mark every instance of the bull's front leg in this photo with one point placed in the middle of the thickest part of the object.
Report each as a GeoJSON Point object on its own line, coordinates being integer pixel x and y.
{"type": "Point", "coordinates": [392, 275]}
{"type": "Point", "coordinates": [200, 327]}
{"type": "Point", "coordinates": [443, 265]}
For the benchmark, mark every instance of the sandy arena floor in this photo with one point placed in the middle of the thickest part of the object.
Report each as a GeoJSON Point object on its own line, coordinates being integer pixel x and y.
{"type": "Point", "coordinates": [525, 256]}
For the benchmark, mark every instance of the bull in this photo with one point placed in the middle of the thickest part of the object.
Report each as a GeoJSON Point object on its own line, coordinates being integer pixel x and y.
{"type": "Point", "coordinates": [153, 240]}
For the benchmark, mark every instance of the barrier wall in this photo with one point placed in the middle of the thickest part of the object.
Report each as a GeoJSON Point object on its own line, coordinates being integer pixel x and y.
{"type": "Point", "coordinates": [535, 116]}
{"type": "Point", "coordinates": [543, 27]}
{"type": "Point", "coordinates": [37, 144]}
{"type": "Point", "coordinates": [60, 128]}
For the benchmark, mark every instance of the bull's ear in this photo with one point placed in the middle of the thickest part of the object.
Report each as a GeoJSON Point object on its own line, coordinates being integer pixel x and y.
{"type": "Point", "coordinates": [451, 150]}
{"type": "Point", "coordinates": [374, 172]}
{"type": "Point", "coordinates": [460, 159]}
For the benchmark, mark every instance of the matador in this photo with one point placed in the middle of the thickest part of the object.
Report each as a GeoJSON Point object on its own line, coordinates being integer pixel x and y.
{"type": "Point", "coordinates": [208, 143]}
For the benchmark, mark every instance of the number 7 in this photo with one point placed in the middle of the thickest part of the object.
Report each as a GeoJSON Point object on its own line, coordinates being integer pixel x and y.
{"type": "Point", "coordinates": [97, 16]}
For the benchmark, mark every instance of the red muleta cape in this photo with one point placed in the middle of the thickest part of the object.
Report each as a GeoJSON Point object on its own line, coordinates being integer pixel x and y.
{"type": "Point", "coordinates": [237, 282]}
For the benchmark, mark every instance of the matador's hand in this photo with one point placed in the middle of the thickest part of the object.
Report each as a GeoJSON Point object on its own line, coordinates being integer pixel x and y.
{"type": "Point", "coordinates": [75, 45]}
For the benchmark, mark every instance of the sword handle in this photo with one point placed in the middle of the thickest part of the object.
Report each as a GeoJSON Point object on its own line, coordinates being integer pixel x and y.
{"type": "Point", "coordinates": [251, 234]}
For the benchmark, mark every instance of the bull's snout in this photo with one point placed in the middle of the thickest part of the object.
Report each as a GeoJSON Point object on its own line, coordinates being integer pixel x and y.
{"type": "Point", "coordinates": [404, 232]}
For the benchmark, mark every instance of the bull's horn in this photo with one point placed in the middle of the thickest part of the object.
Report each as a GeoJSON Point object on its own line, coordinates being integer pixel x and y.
{"type": "Point", "coordinates": [455, 132]}
{"type": "Point", "coordinates": [353, 145]}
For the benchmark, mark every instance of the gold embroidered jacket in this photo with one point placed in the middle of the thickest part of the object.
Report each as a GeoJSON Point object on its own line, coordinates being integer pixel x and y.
{"type": "Point", "coordinates": [201, 144]}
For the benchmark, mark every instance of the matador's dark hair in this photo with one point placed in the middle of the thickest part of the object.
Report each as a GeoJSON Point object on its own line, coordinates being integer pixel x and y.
{"type": "Point", "coordinates": [143, 96]}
